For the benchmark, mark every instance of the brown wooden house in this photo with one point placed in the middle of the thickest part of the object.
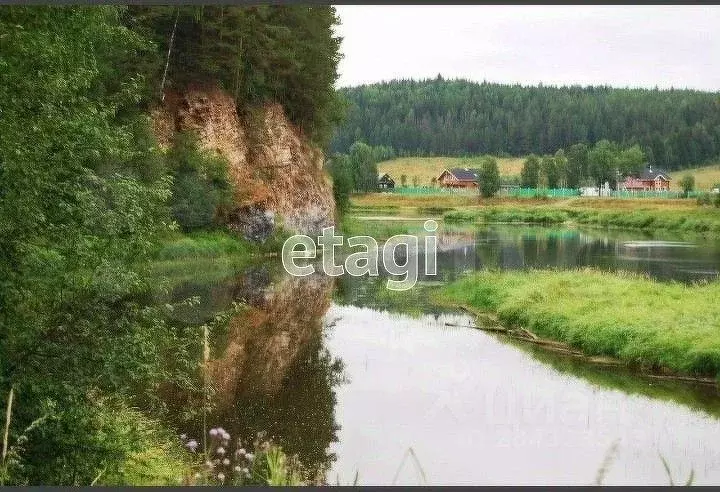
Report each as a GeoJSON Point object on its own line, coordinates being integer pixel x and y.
{"type": "Point", "coordinates": [459, 177]}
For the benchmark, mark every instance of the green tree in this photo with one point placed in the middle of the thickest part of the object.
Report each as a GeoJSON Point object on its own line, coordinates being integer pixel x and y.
{"type": "Point", "coordinates": [550, 171]}
{"type": "Point", "coordinates": [631, 161]}
{"type": "Point", "coordinates": [403, 180]}
{"type": "Point", "coordinates": [201, 192]}
{"type": "Point", "coordinates": [602, 162]}
{"type": "Point", "coordinates": [561, 166]}
{"type": "Point", "coordinates": [577, 165]}
{"type": "Point", "coordinates": [342, 181]}
{"type": "Point", "coordinates": [687, 183]}
{"type": "Point", "coordinates": [530, 173]}
{"type": "Point", "coordinates": [489, 178]}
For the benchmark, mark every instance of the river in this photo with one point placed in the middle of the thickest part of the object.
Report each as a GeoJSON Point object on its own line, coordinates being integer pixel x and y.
{"type": "Point", "coordinates": [383, 388]}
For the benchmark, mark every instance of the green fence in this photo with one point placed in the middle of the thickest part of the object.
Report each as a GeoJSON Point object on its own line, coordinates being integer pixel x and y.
{"type": "Point", "coordinates": [428, 190]}
{"type": "Point", "coordinates": [536, 192]}
{"type": "Point", "coordinates": [654, 194]}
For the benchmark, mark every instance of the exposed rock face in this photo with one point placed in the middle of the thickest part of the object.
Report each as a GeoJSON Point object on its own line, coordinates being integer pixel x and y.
{"type": "Point", "coordinates": [276, 173]}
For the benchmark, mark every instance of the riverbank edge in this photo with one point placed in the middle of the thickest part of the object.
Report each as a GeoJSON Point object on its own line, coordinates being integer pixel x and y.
{"type": "Point", "coordinates": [683, 216]}
{"type": "Point", "coordinates": [645, 220]}
{"type": "Point", "coordinates": [496, 318]}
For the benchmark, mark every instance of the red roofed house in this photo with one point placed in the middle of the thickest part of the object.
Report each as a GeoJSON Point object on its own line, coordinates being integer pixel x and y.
{"type": "Point", "coordinates": [649, 180]}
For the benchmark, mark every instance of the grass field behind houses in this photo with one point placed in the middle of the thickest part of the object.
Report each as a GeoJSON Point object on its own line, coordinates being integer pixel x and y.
{"type": "Point", "coordinates": [426, 168]}
{"type": "Point", "coordinates": [705, 177]}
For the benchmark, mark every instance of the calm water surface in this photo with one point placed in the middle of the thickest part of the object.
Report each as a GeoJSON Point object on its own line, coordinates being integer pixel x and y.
{"type": "Point", "coordinates": [391, 388]}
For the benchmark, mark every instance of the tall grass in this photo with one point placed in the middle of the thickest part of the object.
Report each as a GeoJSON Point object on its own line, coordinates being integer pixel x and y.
{"type": "Point", "coordinates": [203, 245]}
{"type": "Point", "coordinates": [633, 318]}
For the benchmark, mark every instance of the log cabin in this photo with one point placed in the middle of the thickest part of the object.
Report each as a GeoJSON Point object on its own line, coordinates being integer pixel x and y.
{"type": "Point", "coordinates": [459, 177]}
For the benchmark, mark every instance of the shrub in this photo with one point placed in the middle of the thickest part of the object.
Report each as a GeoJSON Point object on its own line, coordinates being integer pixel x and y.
{"type": "Point", "coordinates": [201, 192]}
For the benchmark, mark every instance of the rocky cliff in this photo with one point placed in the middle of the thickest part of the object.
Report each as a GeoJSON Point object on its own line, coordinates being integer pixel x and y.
{"type": "Point", "coordinates": [277, 175]}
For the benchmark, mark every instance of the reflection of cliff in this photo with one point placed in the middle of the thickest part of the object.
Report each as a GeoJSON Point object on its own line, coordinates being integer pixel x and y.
{"type": "Point", "coordinates": [265, 339]}
{"type": "Point", "coordinates": [273, 373]}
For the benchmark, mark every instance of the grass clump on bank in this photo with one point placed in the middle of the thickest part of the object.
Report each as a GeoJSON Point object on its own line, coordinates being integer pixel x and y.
{"type": "Point", "coordinates": [627, 316]}
{"type": "Point", "coordinates": [203, 245]}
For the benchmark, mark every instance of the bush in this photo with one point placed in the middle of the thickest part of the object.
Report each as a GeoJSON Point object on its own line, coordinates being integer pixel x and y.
{"type": "Point", "coordinates": [704, 199]}
{"type": "Point", "coordinates": [201, 192]}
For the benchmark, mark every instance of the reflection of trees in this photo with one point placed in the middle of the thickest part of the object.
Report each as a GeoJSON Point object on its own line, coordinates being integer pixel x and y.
{"type": "Point", "coordinates": [627, 380]}
{"type": "Point", "coordinates": [272, 372]}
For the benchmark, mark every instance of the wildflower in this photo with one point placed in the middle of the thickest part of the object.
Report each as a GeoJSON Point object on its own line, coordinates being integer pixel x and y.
{"type": "Point", "coordinates": [241, 451]}
{"type": "Point", "coordinates": [213, 432]}
{"type": "Point", "coordinates": [226, 462]}
{"type": "Point", "coordinates": [183, 437]}
{"type": "Point", "coordinates": [250, 456]}
{"type": "Point", "coordinates": [220, 451]}
{"type": "Point", "coordinates": [246, 471]}
{"type": "Point", "coordinates": [238, 469]}
{"type": "Point", "coordinates": [221, 476]}
{"type": "Point", "coordinates": [226, 436]}
{"type": "Point", "coordinates": [192, 445]}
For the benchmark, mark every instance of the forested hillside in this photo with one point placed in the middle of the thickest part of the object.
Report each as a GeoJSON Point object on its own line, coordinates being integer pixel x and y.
{"type": "Point", "coordinates": [675, 128]}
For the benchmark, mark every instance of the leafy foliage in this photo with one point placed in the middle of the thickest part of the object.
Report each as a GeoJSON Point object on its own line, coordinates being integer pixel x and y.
{"type": "Point", "coordinates": [82, 203]}
{"type": "Point", "coordinates": [489, 178]}
{"type": "Point", "coordinates": [530, 174]}
{"type": "Point", "coordinates": [201, 192]}
{"type": "Point", "coordinates": [358, 168]}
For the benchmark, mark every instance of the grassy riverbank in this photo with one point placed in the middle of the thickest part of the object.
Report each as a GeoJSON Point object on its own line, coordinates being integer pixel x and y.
{"type": "Point", "coordinates": [209, 256]}
{"type": "Point", "coordinates": [637, 320]}
{"type": "Point", "coordinates": [647, 214]}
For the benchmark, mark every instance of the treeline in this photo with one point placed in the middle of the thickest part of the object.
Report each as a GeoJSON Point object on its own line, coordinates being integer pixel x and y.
{"type": "Point", "coordinates": [582, 164]}
{"type": "Point", "coordinates": [87, 197]}
{"type": "Point", "coordinates": [675, 128]}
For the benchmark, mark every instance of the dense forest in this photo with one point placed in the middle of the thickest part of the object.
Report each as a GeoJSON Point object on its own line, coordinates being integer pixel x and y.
{"type": "Point", "coordinates": [675, 128]}
{"type": "Point", "coordinates": [87, 198]}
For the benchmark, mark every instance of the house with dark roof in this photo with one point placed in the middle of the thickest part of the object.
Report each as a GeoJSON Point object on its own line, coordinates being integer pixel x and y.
{"type": "Point", "coordinates": [459, 177]}
{"type": "Point", "coordinates": [649, 180]}
{"type": "Point", "coordinates": [385, 182]}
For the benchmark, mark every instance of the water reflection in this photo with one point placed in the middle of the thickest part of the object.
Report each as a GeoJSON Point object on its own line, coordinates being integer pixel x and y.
{"type": "Point", "coordinates": [476, 410]}
{"type": "Point", "coordinates": [464, 249]}
{"type": "Point", "coordinates": [269, 368]}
